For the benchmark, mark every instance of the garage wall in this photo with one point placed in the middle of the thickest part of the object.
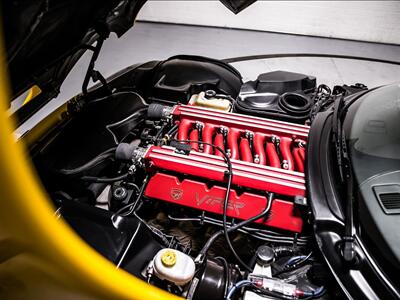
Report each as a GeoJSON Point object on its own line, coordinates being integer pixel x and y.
{"type": "Point", "coordinates": [373, 21]}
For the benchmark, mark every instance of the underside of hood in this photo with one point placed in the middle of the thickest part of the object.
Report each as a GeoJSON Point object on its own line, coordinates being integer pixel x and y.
{"type": "Point", "coordinates": [45, 38]}
{"type": "Point", "coordinates": [236, 6]}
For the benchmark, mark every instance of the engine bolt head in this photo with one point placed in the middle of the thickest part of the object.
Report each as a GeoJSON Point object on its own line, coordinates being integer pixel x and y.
{"type": "Point", "coordinates": [120, 193]}
{"type": "Point", "coordinates": [248, 134]}
{"type": "Point", "coordinates": [223, 130]}
{"type": "Point", "coordinates": [199, 125]}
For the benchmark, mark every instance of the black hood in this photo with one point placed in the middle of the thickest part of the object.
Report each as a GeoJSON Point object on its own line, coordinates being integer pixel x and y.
{"type": "Point", "coordinates": [236, 6]}
{"type": "Point", "coordinates": [45, 38]}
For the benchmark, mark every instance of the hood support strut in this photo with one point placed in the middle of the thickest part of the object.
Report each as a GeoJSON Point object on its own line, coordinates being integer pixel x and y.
{"type": "Point", "coordinates": [91, 73]}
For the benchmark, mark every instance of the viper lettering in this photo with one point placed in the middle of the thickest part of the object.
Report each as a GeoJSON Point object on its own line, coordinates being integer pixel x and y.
{"type": "Point", "coordinates": [212, 201]}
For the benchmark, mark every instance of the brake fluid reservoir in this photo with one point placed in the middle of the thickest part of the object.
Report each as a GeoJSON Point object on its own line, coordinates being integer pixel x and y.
{"type": "Point", "coordinates": [174, 266]}
{"type": "Point", "coordinates": [210, 99]}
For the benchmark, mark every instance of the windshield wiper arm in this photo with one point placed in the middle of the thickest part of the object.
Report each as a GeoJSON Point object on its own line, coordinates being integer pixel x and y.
{"type": "Point", "coordinates": [337, 130]}
{"type": "Point", "coordinates": [346, 177]}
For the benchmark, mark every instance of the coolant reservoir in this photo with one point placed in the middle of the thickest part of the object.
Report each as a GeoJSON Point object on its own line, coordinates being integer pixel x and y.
{"type": "Point", "coordinates": [174, 266]}
{"type": "Point", "coordinates": [210, 99]}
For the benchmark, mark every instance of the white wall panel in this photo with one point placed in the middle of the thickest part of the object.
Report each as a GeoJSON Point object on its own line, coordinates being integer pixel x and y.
{"type": "Point", "coordinates": [374, 21]}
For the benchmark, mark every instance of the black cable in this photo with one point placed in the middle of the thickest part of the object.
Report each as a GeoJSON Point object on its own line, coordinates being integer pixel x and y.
{"type": "Point", "coordinates": [227, 274]}
{"type": "Point", "coordinates": [284, 251]}
{"type": "Point", "coordinates": [104, 180]}
{"type": "Point", "coordinates": [294, 266]}
{"type": "Point", "coordinates": [135, 186]}
{"type": "Point", "coordinates": [90, 164]}
{"type": "Point", "coordinates": [241, 224]}
{"type": "Point", "coordinates": [225, 208]}
{"type": "Point", "coordinates": [237, 286]}
{"type": "Point", "coordinates": [226, 199]}
{"type": "Point", "coordinates": [258, 233]}
{"type": "Point", "coordinates": [322, 97]}
{"type": "Point", "coordinates": [132, 205]}
{"type": "Point", "coordinates": [172, 130]}
{"type": "Point", "coordinates": [275, 295]}
{"type": "Point", "coordinates": [211, 240]}
{"type": "Point", "coordinates": [265, 292]}
{"type": "Point", "coordinates": [159, 132]}
{"type": "Point", "coordinates": [119, 93]}
{"type": "Point", "coordinates": [226, 97]}
{"type": "Point", "coordinates": [138, 198]}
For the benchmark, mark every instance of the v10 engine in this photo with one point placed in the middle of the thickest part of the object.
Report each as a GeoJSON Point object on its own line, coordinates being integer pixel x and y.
{"type": "Point", "coordinates": [266, 156]}
{"type": "Point", "coordinates": [203, 198]}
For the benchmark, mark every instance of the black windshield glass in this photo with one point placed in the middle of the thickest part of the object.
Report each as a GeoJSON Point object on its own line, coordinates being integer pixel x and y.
{"type": "Point", "coordinates": [373, 132]}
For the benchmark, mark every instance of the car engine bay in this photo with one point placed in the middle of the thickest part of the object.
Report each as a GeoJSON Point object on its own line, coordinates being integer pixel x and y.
{"type": "Point", "coordinates": [190, 179]}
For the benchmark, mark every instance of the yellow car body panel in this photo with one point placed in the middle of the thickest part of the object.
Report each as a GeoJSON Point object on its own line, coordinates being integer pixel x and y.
{"type": "Point", "coordinates": [40, 256]}
{"type": "Point", "coordinates": [32, 93]}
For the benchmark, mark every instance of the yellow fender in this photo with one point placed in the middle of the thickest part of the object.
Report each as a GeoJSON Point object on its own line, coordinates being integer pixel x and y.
{"type": "Point", "coordinates": [40, 256]}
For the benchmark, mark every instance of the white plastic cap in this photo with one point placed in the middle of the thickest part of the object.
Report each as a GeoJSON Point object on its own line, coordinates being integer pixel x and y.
{"type": "Point", "coordinates": [174, 266]}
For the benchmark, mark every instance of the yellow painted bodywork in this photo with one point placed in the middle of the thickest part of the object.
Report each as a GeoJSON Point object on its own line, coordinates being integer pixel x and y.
{"type": "Point", "coordinates": [40, 256]}
{"type": "Point", "coordinates": [32, 93]}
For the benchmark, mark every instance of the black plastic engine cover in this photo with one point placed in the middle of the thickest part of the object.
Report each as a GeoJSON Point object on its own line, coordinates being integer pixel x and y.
{"type": "Point", "coordinates": [177, 78]}
{"type": "Point", "coordinates": [280, 82]}
{"type": "Point", "coordinates": [279, 94]}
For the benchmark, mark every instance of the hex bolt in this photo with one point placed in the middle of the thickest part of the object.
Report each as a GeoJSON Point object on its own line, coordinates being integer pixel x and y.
{"type": "Point", "coordinates": [285, 165]}
{"type": "Point", "coordinates": [248, 134]}
{"type": "Point", "coordinates": [120, 193]}
{"type": "Point", "coordinates": [223, 130]}
{"type": "Point", "coordinates": [199, 125]}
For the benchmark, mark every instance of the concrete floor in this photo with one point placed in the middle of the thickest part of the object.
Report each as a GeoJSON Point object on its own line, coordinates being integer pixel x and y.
{"type": "Point", "coordinates": [153, 41]}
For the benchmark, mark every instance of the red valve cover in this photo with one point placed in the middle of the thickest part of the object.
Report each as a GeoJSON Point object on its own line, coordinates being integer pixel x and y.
{"type": "Point", "coordinates": [266, 155]}
{"type": "Point", "coordinates": [195, 194]}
